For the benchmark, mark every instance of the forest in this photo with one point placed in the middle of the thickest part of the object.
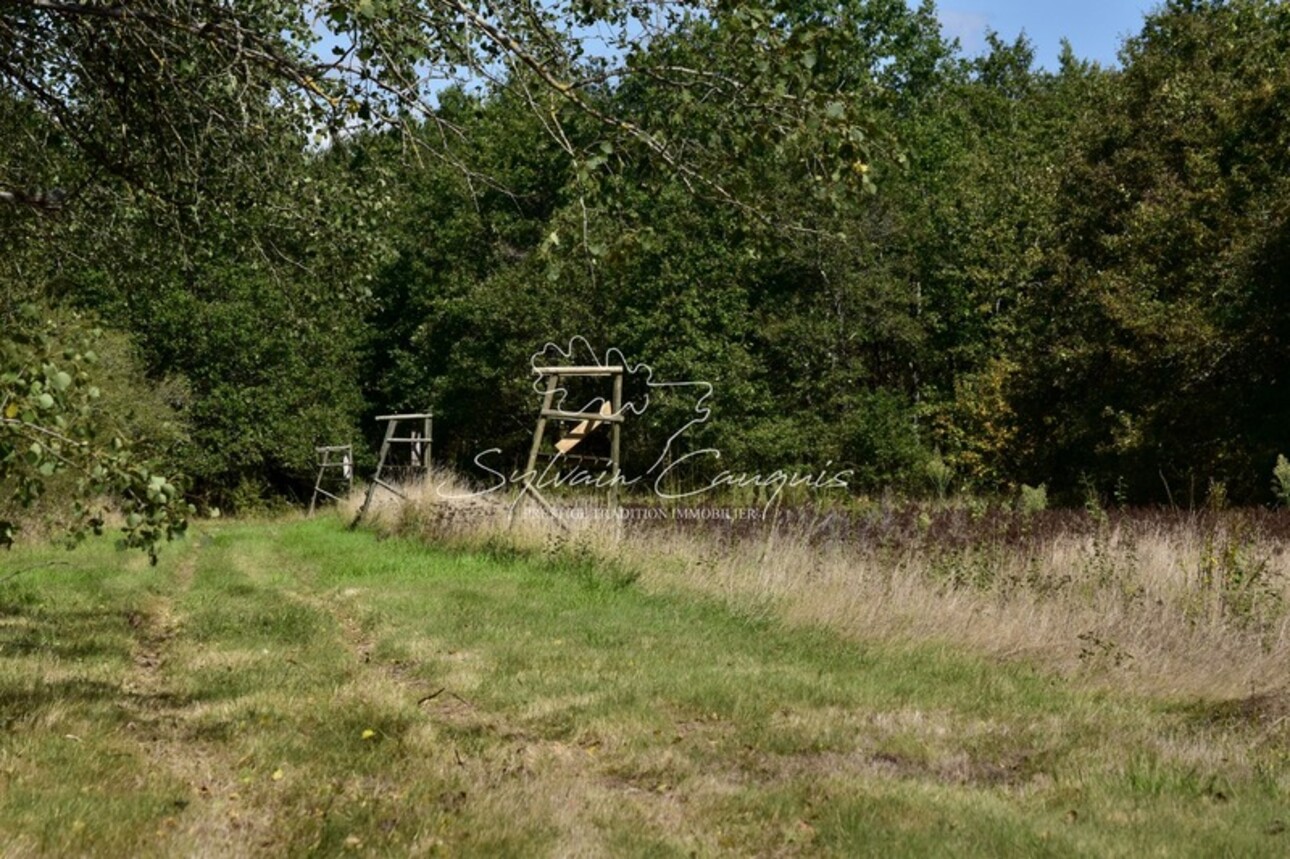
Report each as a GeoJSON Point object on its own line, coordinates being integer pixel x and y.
{"type": "Point", "coordinates": [949, 274]}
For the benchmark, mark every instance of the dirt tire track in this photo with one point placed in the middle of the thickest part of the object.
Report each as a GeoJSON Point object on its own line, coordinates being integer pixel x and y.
{"type": "Point", "coordinates": [208, 815]}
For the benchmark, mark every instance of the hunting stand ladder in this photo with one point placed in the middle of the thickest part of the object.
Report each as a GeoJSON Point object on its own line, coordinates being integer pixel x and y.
{"type": "Point", "coordinates": [418, 442]}
{"type": "Point", "coordinates": [330, 458]}
{"type": "Point", "coordinates": [566, 448]}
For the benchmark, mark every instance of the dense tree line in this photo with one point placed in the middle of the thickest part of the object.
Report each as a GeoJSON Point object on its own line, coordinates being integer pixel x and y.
{"type": "Point", "coordinates": [928, 268]}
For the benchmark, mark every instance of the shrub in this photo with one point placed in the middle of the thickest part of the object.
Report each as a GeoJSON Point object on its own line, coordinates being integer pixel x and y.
{"type": "Point", "coordinates": [939, 474]}
{"type": "Point", "coordinates": [1034, 499]}
{"type": "Point", "coordinates": [1281, 480]}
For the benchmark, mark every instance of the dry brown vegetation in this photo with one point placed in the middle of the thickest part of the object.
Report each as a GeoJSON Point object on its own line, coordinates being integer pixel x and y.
{"type": "Point", "coordinates": [1164, 602]}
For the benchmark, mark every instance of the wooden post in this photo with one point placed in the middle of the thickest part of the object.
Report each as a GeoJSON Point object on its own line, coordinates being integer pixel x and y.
{"type": "Point", "coordinates": [426, 431]}
{"type": "Point", "coordinates": [322, 468]}
{"type": "Point", "coordinates": [376, 478]}
{"type": "Point", "coordinates": [526, 485]}
{"type": "Point", "coordinates": [615, 444]}
{"type": "Point", "coordinates": [552, 383]}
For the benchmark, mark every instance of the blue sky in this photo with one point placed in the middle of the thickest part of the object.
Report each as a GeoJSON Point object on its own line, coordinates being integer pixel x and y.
{"type": "Point", "coordinates": [1094, 27]}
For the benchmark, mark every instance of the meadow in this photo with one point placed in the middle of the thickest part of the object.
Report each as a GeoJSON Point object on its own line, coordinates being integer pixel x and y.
{"type": "Point", "coordinates": [433, 684]}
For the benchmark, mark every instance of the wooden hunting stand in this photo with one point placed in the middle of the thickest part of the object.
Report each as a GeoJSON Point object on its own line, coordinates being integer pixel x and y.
{"type": "Point", "coordinates": [417, 462]}
{"type": "Point", "coordinates": [566, 448]}
{"type": "Point", "coordinates": [344, 460]}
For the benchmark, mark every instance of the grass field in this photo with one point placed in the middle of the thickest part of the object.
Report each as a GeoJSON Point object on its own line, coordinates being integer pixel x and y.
{"type": "Point", "coordinates": [292, 688]}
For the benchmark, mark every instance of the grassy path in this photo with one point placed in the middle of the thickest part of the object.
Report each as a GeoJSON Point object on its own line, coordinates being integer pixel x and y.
{"type": "Point", "coordinates": [295, 689]}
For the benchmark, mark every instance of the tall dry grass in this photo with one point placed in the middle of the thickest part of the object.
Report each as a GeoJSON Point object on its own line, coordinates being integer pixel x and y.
{"type": "Point", "coordinates": [1162, 602]}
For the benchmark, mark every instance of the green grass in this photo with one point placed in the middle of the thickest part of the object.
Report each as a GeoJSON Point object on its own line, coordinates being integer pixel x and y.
{"type": "Point", "coordinates": [294, 688]}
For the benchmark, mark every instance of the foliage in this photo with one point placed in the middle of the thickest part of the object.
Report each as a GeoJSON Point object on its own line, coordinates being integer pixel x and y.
{"type": "Point", "coordinates": [942, 296]}
{"type": "Point", "coordinates": [212, 166]}
{"type": "Point", "coordinates": [871, 245]}
{"type": "Point", "coordinates": [1163, 318]}
{"type": "Point", "coordinates": [940, 475]}
{"type": "Point", "coordinates": [150, 94]}
{"type": "Point", "coordinates": [1281, 480]}
{"type": "Point", "coordinates": [52, 420]}
{"type": "Point", "coordinates": [1033, 499]}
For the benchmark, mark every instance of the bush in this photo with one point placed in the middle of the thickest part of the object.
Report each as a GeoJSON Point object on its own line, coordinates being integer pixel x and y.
{"type": "Point", "coordinates": [940, 475]}
{"type": "Point", "coordinates": [73, 412]}
{"type": "Point", "coordinates": [1281, 480]}
{"type": "Point", "coordinates": [1034, 499]}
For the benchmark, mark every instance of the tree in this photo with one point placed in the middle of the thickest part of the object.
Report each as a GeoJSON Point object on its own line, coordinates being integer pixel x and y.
{"type": "Point", "coordinates": [1163, 320]}
{"type": "Point", "coordinates": [978, 212]}
{"type": "Point", "coordinates": [149, 91]}
{"type": "Point", "coordinates": [803, 321]}
{"type": "Point", "coordinates": [169, 144]}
